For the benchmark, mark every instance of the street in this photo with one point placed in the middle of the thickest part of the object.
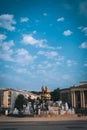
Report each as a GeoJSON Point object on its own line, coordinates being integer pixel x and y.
{"type": "Point", "coordinates": [44, 125]}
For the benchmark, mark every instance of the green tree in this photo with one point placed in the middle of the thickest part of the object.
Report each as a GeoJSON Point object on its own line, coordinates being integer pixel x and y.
{"type": "Point", "coordinates": [55, 95]}
{"type": "Point", "coordinates": [20, 103]}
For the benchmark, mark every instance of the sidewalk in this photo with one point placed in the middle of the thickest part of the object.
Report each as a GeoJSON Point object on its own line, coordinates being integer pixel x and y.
{"type": "Point", "coordinates": [49, 118]}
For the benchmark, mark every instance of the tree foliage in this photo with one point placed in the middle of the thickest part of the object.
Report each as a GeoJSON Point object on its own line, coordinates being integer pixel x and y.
{"type": "Point", "coordinates": [55, 95]}
{"type": "Point", "coordinates": [20, 102]}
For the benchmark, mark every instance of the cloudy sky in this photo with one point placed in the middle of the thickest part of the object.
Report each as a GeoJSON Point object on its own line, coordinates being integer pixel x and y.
{"type": "Point", "coordinates": [43, 42]}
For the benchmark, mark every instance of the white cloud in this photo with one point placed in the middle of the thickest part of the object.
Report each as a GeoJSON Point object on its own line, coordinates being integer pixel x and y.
{"type": "Point", "coordinates": [66, 76]}
{"type": "Point", "coordinates": [41, 72]}
{"type": "Point", "coordinates": [58, 63]}
{"type": "Point", "coordinates": [60, 19]}
{"type": "Point", "coordinates": [60, 58]}
{"type": "Point", "coordinates": [67, 33]}
{"type": "Point", "coordinates": [34, 32]}
{"type": "Point", "coordinates": [45, 14]}
{"type": "Point", "coordinates": [44, 65]}
{"type": "Point", "coordinates": [59, 47]}
{"type": "Point", "coordinates": [24, 19]}
{"type": "Point", "coordinates": [30, 40]}
{"type": "Point", "coordinates": [80, 27]}
{"type": "Point", "coordinates": [54, 48]}
{"type": "Point", "coordinates": [6, 52]}
{"type": "Point", "coordinates": [2, 37]}
{"type": "Point", "coordinates": [83, 45]}
{"type": "Point", "coordinates": [7, 45]}
{"type": "Point", "coordinates": [85, 30]}
{"type": "Point", "coordinates": [23, 57]}
{"type": "Point", "coordinates": [22, 52]}
{"type": "Point", "coordinates": [21, 70]}
{"type": "Point", "coordinates": [20, 56]}
{"type": "Point", "coordinates": [7, 21]}
{"type": "Point", "coordinates": [49, 54]}
{"type": "Point", "coordinates": [85, 65]}
{"type": "Point", "coordinates": [6, 56]}
{"type": "Point", "coordinates": [71, 63]}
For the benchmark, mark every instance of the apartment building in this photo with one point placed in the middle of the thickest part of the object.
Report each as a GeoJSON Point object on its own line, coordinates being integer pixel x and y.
{"type": "Point", "coordinates": [8, 97]}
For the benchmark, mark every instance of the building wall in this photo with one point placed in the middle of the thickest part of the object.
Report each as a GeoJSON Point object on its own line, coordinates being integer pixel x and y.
{"type": "Point", "coordinates": [76, 95]}
{"type": "Point", "coordinates": [8, 97]}
{"type": "Point", "coordinates": [5, 99]}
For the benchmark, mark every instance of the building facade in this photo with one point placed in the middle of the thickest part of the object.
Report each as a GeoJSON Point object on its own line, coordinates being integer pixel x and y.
{"type": "Point", "coordinates": [76, 96]}
{"type": "Point", "coordinates": [8, 97]}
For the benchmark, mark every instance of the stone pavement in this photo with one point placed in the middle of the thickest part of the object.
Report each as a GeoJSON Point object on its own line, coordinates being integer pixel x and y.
{"type": "Point", "coordinates": [42, 118]}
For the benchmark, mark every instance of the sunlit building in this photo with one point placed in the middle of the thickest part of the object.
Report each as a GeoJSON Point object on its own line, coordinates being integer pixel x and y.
{"type": "Point", "coordinates": [8, 97]}
{"type": "Point", "coordinates": [45, 94]}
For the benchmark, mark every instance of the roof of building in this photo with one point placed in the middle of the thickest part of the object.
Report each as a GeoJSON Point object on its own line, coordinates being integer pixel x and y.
{"type": "Point", "coordinates": [83, 85]}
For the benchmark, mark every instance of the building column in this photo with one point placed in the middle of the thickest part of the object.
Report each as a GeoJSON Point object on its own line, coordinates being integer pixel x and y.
{"type": "Point", "coordinates": [73, 99]}
{"type": "Point", "coordinates": [85, 95]}
{"type": "Point", "coordinates": [82, 99]}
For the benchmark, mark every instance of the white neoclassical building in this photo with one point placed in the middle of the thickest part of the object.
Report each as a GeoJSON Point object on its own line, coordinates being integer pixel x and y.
{"type": "Point", "coordinates": [76, 96]}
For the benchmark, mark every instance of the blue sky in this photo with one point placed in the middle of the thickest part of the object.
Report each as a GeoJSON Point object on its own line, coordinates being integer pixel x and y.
{"type": "Point", "coordinates": [43, 42]}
